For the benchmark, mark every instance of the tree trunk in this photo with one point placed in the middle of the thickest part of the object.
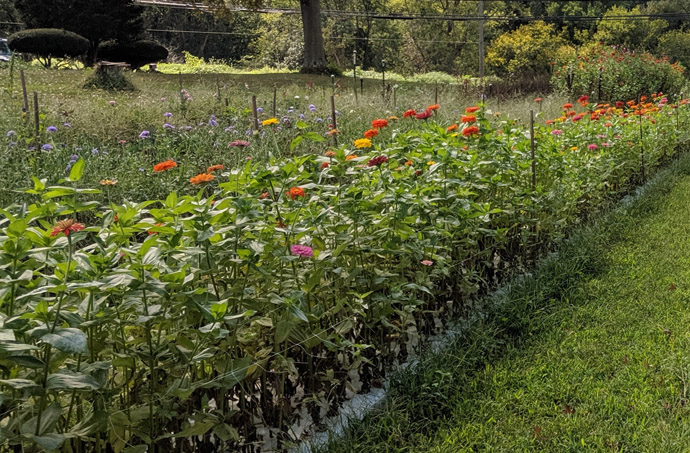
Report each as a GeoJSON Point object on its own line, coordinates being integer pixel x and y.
{"type": "Point", "coordinates": [314, 56]}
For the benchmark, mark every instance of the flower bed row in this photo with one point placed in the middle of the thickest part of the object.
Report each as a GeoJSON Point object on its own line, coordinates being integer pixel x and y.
{"type": "Point", "coordinates": [246, 313]}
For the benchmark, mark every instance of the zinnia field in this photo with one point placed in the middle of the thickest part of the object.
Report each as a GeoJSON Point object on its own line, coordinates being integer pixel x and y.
{"type": "Point", "coordinates": [231, 300]}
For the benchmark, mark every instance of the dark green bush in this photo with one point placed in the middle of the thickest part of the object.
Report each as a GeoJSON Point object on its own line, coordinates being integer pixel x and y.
{"type": "Point", "coordinates": [136, 54]}
{"type": "Point", "coordinates": [48, 43]}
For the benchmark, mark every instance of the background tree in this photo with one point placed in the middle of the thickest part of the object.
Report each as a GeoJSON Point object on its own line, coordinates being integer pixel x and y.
{"type": "Point", "coordinates": [314, 59]}
{"type": "Point", "coordinates": [96, 20]}
{"type": "Point", "coordinates": [8, 18]}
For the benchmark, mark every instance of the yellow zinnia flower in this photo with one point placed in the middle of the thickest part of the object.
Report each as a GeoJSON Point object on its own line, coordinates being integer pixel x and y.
{"type": "Point", "coordinates": [269, 122]}
{"type": "Point", "coordinates": [363, 143]}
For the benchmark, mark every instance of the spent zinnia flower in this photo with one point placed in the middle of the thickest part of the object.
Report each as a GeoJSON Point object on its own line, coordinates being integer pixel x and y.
{"type": "Point", "coordinates": [363, 143]}
{"type": "Point", "coordinates": [66, 226]}
{"type": "Point", "coordinates": [302, 250]}
{"type": "Point", "coordinates": [295, 192]}
{"type": "Point", "coordinates": [201, 178]}
{"type": "Point", "coordinates": [162, 166]}
{"type": "Point", "coordinates": [108, 182]}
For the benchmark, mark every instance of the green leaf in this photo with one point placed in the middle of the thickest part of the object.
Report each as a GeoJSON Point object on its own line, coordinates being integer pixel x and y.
{"type": "Point", "coordinates": [17, 227]}
{"type": "Point", "coordinates": [283, 329]}
{"type": "Point", "coordinates": [198, 429]}
{"type": "Point", "coordinates": [51, 441]}
{"type": "Point", "coordinates": [295, 142]}
{"type": "Point", "coordinates": [19, 384]}
{"type": "Point", "coordinates": [77, 170]}
{"type": "Point", "coordinates": [67, 340]}
{"type": "Point", "coordinates": [218, 310]}
{"type": "Point", "coordinates": [97, 422]}
{"type": "Point", "coordinates": [314, 137]}
{"type": "Point", "coordinates": [301, 125]}
{"type": "Point", "coordinates": [71, 381]}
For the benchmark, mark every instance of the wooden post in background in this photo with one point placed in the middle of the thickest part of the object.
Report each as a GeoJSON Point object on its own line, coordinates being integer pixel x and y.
{"type": "Point", "coordinates": [36, 124]}
{"type": "Point", "coordinates": [334, 120]}
{"type": "Point", "coordinates": [354, 72]}
{"type": "Point", "coordinates": [436, 93]}
{"type": "Point", "coordinates": [275, 95]}
{"type": "Point", "coordinates": [25, 109]}
{"type": "Point", "coordinates": [256, 114]}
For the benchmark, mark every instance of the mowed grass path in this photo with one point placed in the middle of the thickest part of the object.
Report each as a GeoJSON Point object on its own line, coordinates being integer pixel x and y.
{"type": "Point", "coordinates": [601, 362]}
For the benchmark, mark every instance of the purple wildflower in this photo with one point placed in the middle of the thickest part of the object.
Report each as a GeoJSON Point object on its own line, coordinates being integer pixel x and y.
{"type": "Point", "coordinates": [167, 115]}
{"type": "Point", "coordinates": [47, 147]}
{"type": "Point", "coordinates": [144, 134]}
{"type": "Point", "coordinates": [51, 129]}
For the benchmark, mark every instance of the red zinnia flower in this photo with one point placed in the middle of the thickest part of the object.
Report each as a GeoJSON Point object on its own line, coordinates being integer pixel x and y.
{"type": "Point", "coordinates": [434, 107]}
{"type": "Point", "coordinates": [214, 168]}
{"type": "Point", "coordinates": [167, 165]}
{"type": "Point", "coordinates": [295, 192]}
{"type": "Point", "coordinates": [470, 131]}
{"type": "Point", "coordinates": [378, 124]}
{"type": "Point", "coordinates": [371, 133]}
{"type": "Point", "coordinates": [567, 106]}
{"type": "Point", "coordinates": [409, 113]}
{"type": "Point", "coordinates": [471, 109]}
{"type": "Point", "coordinates": [66, 226]}
{"type": "Point", "coordinates": [377, 161]}
{"type": "Point", "coordinates": [325, 165]}
{"type": "Point", "coordinates": [468, 119]}
{"type": "Point", "coordinates": [424, 115]}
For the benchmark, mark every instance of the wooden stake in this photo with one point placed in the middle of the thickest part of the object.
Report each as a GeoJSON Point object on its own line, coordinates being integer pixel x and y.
{"type": "Point", "coordinates": [256, 114]}
{"type": "Point", "coordinates": [218, 88]}
{"type": "Point", "coordinates": [395, 99]}
{"type": "Point", "coordinates": [26, 97]}
{"type": "Point", "coordinates": [275, 94]}
{"type": "Point", "coordinates": [361, 86]}
{"type": "Point", "coordinates": [36, 112]}
{"type": "Point", "coordinates": [334, 120]}
{"type": "Point", "coordinates": [532, 146]}
{"type": "Point", "coordinates": [639, 113]}
{"type": "Point", "coordinates": [436, 94]}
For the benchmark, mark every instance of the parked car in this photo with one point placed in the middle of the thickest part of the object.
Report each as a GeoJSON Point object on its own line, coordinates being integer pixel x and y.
{"type": "Point", "coordinates": [5, 52]}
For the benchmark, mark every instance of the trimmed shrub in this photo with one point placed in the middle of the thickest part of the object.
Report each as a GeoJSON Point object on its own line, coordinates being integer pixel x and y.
{"type": "Point", "coordinates": [136, 54]}
{"type": "Point", "coordinates": [616, 74]}
{"type": "Point", "coordinates": [48, 43]}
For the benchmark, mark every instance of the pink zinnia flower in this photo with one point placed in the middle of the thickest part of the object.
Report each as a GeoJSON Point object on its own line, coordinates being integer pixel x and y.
{"type": "Point", "coordinates": [302, 250]}
{"type": "Point", "coordinates": [556, 132]}
{"type": "Point", "coordinates": [577, 118]}
{"type": "Point", "coordinates": [427, 262]}
{"type": "Point", "coordinates": [592, 147]}
{"type": "Point", "coordinates": [239, 143]}
{"type": "Point", "coordinates": [605, 144]}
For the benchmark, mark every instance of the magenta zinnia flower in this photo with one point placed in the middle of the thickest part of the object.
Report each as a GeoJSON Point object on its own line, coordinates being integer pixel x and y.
{"type": "Point", "coordinates": [377, 161]}
{"type": "Point", "coordinates": [592, 147]}
{"type": "Point", "coordinates": [302, 250]}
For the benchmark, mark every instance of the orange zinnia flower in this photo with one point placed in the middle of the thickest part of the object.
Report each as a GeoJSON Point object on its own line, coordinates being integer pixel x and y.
{"type": "Point", "coordinates": [471, 109]}
{"type": "Point", "coordinates": [452, 127]}
{"type": "Point", "coordinates": [333, 132]}
{"type": "Point", "coordinates": [295, 192]}
{"type": "Point", "coordinates": [567, 106]}
{"type": "Point", "coordinates": [167, 165]}
{"type": "Point", "coordinates": [371, 133]}
{"type": "Point", "coordinates": [434, 107]}
{"type": "Point", "coordinates": [470, 131]}
{"type": "Point", "coordinates": [202, 177]}
{"type": "Point", "coordinates": [408, 163]}
{"type": "Point", "coordinates": [409, 113]}
{"type": "Point", "coordinates": [538, 99]}
{"type": "Point", "coordinates": [468, 119]}
{"type": "Point", "coordinates": [214, 168]}
{"type": "Point", "coordinates": [66, 226]}
{"type": "Point", "coordinates": [351, 156]}
{"type": "Point", "coordinates": [154, 232]}
{"type": "Point", "coordinates": [329, 154]}
{"type": "Point", "coordinates": [378, 124]}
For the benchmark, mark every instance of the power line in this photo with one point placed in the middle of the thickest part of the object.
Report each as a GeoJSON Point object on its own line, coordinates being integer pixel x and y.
{"type": "Point", "coordinates": [439, 17]}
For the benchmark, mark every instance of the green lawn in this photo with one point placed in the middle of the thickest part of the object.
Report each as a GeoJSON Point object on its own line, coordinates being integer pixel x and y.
{"type": "Point", "coordinates": [592, 353]}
